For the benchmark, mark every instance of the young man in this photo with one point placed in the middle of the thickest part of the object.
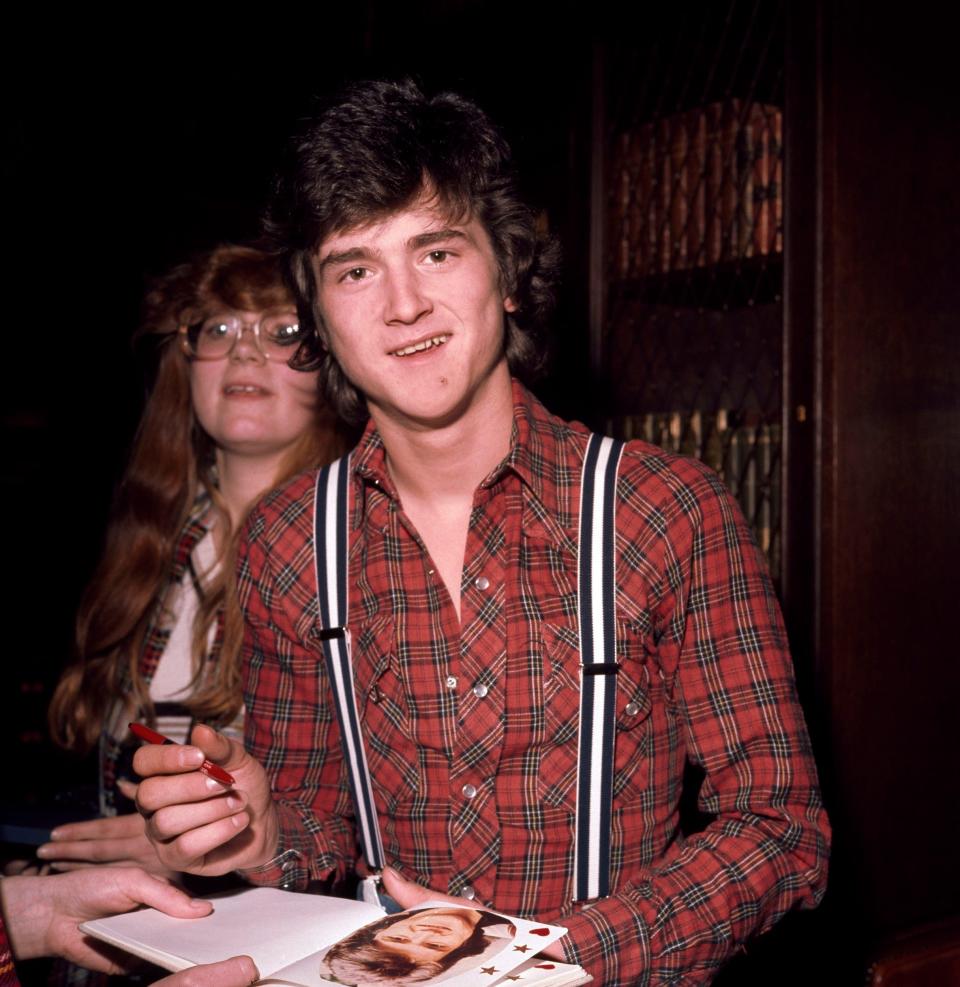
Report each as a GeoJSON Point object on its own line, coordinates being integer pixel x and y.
{"type": "Point", "coordinates": [426, 284]}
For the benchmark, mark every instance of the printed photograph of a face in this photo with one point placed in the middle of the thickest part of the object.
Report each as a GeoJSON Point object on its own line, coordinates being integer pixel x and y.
{"type": "Point", "coordinates": [422, 946]}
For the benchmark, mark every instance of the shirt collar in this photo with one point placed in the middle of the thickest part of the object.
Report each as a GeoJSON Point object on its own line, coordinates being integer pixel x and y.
{"type": "Point", "coordinates": [538, 455]}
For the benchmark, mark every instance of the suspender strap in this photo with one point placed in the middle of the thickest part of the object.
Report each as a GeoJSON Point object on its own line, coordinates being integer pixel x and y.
{"type": "Point", "coordinates": [331, 530]}
{"type": "Point", "coordinates": [598, 683]}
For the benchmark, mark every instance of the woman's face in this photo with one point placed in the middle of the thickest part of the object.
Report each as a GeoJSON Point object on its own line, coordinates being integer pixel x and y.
{"type": "Point", "coordinates": [429, 935]}
{"type": "Point", "coordinates": [249, 405]}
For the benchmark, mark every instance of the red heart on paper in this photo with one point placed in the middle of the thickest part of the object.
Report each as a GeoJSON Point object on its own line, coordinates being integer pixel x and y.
{"type": "Point", "coordinates": [544, 966]}
{"type": "Point", "coordinates": [539, 932]}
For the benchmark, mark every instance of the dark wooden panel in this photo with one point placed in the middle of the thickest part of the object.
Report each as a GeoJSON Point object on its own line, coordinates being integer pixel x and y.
{"type": "Point", "coordinates": [889, 162]}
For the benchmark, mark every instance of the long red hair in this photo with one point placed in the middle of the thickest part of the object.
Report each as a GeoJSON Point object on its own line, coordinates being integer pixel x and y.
{"type": "Point", "coordinates": [171, 462]}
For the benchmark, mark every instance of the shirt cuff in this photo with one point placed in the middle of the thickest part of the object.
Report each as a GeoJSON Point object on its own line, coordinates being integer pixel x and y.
{"type": "Point", "coordinates": [613, 948]}
{"type": "Point", "coordinates": [302, 856]}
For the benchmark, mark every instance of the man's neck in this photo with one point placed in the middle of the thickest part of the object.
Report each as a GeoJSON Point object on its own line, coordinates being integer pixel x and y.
{"type": "Point", "coordinates": [448, 462]}
{"type": "Point", "coordinates": [438, 469]}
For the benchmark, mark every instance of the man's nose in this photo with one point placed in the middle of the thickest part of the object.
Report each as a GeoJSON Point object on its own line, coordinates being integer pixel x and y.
{"type": "Point", "coordinates": [407, 300]}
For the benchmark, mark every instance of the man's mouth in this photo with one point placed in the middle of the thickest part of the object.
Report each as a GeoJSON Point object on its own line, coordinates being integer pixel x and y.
{"type": "Point", "coordinates": [424, 344]}
{"type": "Point", "coordinates": [243, 389]}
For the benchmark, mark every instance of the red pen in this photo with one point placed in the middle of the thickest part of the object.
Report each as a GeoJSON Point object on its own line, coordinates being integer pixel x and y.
{"type": "Point", "coordinates": [208, 768]}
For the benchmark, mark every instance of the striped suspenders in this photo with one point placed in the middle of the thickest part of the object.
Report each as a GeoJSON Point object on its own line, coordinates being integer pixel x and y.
{"type": "Point", "coordinates": [331, 544]}
{"type": "Point", "coordinates": [598, 665]}
{"type": "Point", "coordinates": [596, 591]}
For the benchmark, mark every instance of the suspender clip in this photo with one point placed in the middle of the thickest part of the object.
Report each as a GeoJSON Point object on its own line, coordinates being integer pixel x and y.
{"type": "Point", "coordinates": [600, 668]}
{"type": "Point", "coordinates": [329, 633]}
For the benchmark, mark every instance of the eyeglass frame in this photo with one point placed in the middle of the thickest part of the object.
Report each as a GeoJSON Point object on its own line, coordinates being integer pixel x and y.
{"type": "Point", "coordinates": [184, 333]}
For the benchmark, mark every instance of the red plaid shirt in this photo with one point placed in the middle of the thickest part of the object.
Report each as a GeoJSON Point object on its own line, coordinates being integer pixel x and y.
{"type": "Point", "coordinates": [471, 725]}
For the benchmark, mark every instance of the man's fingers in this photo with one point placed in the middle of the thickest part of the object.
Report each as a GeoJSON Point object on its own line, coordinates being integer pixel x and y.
{"type": "Point", "coordinates": [172, 820]}
{"type": "Point", "coordinates": [238, 971]}
{"type": "Point", "coordinates": [216, 746]}
{"type": "Point", "coordinates": [409, 895]}
{"type": "Point", "coordinates": [157, 793]}
{"type": "Point", "coordinates": [196, 850]}
{"type": "Point", "coordinates": [166, 759]}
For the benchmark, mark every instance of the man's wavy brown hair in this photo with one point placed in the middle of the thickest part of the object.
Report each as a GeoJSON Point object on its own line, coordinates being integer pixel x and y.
{"type": "Point", "coordinates": [376, 148]}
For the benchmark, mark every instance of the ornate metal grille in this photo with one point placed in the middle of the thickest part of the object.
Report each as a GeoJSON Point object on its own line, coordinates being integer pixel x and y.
{"type": "Point", "coordinates": [691, 331]}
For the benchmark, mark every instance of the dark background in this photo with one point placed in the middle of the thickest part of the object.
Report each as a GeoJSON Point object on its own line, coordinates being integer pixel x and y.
{"type": "Point", "coordinates": [128, 143]}
{"type": "Point", "coordinates": [125, 152]}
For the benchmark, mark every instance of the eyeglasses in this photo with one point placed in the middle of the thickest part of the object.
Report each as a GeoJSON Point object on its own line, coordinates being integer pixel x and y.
{"type": "Point", "coordinates": [275, 334]}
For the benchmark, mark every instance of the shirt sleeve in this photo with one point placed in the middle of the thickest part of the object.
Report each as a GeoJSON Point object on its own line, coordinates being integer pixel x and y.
{"type": "Point", "coordinates": [8, 972]}
{"type": "Point", "coordinates": [290, 726]}
{"type": "Point", "coordinates": [723, 655]}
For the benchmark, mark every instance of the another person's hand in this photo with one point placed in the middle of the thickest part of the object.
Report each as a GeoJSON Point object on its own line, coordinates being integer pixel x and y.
{"type": "Point", "coordinates": [238, 971]}
{"type": "Point", "coordinates": [409, 895]}
{"type": "Point", "coordinates": [42, 913]}
{"type": "Point", "coordinates": [120, 841]}
{"type": "Point", "coordinates": [197, 824]}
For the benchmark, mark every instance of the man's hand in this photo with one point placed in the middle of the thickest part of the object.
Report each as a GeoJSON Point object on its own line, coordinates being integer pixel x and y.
{"type": "Point", "coordinates": [120, 841]}
{"type": "Point", "coordinates": [197, 824]}
{"type": "Point", "coordinates": [409, 895]}
{"type": "Point", "coordinates": [42, 913]}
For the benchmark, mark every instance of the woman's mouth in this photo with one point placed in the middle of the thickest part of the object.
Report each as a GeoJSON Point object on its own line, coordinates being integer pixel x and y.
{"type": "Point", "coordinates": [244, 390]}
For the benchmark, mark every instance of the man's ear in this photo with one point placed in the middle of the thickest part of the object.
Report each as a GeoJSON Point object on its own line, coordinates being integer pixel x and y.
{"type": "Point", "coordinates": [509, 305]}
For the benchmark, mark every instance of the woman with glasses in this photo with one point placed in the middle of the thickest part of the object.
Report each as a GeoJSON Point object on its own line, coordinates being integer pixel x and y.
{"type": "Point", "coordinates": [159, 629]}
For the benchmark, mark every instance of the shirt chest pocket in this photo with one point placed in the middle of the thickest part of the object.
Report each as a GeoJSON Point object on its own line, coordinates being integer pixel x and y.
{"type": "Point", "coordinates": [385, 717]}
{"type": "Point", "coordinates": [561, 706]}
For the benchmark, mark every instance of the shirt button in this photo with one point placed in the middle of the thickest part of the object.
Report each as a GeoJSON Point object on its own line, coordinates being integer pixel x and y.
{"type": "Point", "coordinates": [631, 709]}
{"type": "Point", "coordinates": [469, 892]}
{"type": "Point", "coordinates": [469, 791]}
{"type": "Point", "coordinates": [482, 583]}
{"type": "Point", "coordinates": [480, 690]}
{"type": "Point", "coordinates": [451, 681]}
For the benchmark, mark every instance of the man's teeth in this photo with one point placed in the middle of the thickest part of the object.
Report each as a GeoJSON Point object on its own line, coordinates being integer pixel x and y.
{"type": "Point", "coordinates": [421, 346]}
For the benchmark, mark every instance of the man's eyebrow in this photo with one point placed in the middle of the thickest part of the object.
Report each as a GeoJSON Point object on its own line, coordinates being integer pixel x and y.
{"type": "Point", "coordinates": [435, 236]}
{"type": "Point", "coordinates": [343, 257]}
{"type": "Point", "coordinates": [415, 243]}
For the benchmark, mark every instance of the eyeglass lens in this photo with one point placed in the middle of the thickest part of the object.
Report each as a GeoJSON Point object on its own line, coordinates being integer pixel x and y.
{"type": "Point", "coordinates": [274, 335]}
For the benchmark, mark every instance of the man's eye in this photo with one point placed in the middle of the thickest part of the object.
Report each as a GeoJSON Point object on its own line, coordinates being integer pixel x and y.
{"type": "Point", "coordinates": [438, 256]}
{"type": "Point", "coordinates": [354, 274]}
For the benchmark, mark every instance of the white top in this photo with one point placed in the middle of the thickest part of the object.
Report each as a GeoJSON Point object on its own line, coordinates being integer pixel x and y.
{"type": "Point", "coordinates": [174, 674]}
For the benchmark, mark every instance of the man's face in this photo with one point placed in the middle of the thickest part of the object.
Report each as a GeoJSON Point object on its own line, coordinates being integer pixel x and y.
{"type": "Point", "coordinates": [414, 314]}
{"type": "Point", "coordinates": [427, 936]}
